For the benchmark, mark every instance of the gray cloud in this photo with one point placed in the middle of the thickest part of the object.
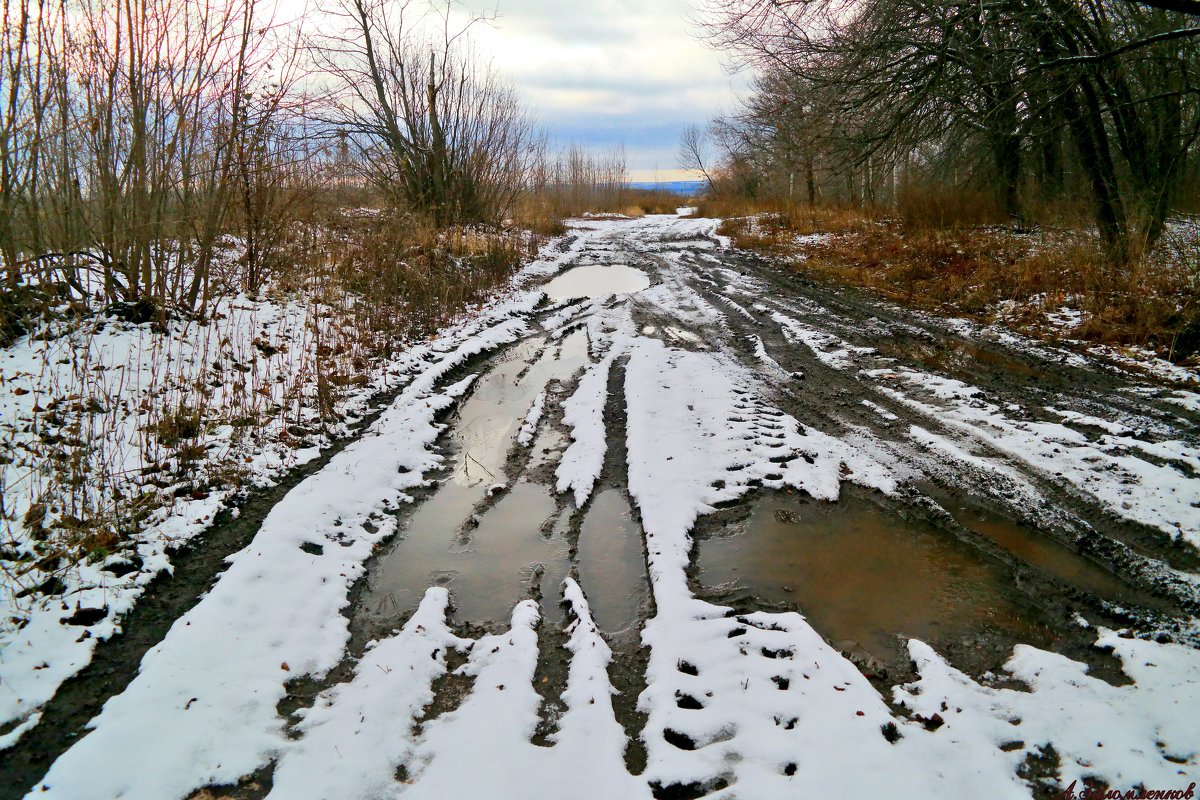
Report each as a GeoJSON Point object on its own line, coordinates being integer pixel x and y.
{"type": "Point", "coordinates": [609, 71]}
{"type": "Point", "coordinates": [595, 21]}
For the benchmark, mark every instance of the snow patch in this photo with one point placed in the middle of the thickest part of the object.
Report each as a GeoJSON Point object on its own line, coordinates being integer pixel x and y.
{"type": "Point", "coordinates": [202, 709]}
{"type": "Point", "coordinates": [358, 733]}
{"type": "Point", "coordinates": [532, 418]}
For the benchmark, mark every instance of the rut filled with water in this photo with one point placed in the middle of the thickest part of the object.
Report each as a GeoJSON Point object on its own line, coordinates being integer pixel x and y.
{"type": "Point", "coordinates": [493, 539]}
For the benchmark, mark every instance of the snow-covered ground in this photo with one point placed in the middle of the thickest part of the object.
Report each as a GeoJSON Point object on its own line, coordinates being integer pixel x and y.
{"type": "Point", "coordinates": [748, 705]}
{"type": "Point", "coordinates": [103, 387]}
{"type": "Point", "coordinates": [151, 433]}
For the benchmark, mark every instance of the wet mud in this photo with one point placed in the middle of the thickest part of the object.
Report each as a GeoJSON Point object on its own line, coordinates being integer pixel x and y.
{"type": "Point", "coordinates": [966, 568]}
{"type": "Point", "coordinates": [993, 572]}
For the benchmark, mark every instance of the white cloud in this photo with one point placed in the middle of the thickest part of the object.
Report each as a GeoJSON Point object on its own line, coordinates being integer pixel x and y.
{"type": "Point", "coordinates": [601, 73]}
{"type": "Point", "coordinates": [609, 71]}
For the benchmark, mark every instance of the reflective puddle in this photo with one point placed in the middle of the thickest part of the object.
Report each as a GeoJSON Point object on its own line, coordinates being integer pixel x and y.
{"type": "Point", "coordinates": [499, 401]}
{"type": "Point", "coordinates": [486, 568]}
{"type": "Point", "coordinates": [612, 567]}
{"type": "Point", "coordinates": [863, 577]}
{"type": "Point", "coordinates": [496, 566]}
{"type": "Point", "coordinates": [595, 281]}
{"type": "Point", "coordinates": [487, 562]}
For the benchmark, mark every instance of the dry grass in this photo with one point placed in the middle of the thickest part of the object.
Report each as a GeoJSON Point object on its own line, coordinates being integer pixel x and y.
{"type": "Point", "coordinates": [639, 202]}
{"type": "Point", "coordinates": [937, 208]}
{"type": "Point", "coordinates": [772, 226]}
{"type": "Point", "coordinates": [987, 272]}
{"type": "Point", "coordinates": [398, 276]}
{"type": "Point", "coordinates": [544, 212]}
{"type": "Point", "coordinates": [540, 214]}
{"type": "Point", "coordinates": [103, 458]}
{"type": "Point", "coordinates": [787, 218]}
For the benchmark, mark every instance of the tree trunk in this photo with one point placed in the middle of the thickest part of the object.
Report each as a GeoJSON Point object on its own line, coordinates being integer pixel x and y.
{"type": "Point", "coordinates": [1091, 140]}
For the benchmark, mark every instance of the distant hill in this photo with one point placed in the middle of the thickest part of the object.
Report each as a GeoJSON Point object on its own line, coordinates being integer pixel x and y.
{"type": "Point", "coordinates": [681, 188]}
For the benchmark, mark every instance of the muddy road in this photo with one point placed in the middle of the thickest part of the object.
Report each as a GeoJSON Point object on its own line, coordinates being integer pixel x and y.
{"type": "Point", "coordinates": [676, 535]}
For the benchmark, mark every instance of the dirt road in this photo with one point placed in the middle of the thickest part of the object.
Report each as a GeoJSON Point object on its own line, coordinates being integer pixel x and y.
{"type": "Point", "coordinates": [690, 525]}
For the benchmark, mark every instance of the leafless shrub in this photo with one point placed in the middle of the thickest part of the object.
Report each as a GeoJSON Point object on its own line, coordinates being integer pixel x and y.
{"type": "Point", "coordinates": [438, 132]}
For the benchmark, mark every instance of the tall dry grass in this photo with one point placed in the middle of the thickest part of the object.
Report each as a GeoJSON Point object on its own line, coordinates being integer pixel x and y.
{"type": "Point", "coordinates": [543, 211]}
{"type": "Point", "coordinates": [99, 457]}
{"type": "Point", "coordinates": [947, 252]}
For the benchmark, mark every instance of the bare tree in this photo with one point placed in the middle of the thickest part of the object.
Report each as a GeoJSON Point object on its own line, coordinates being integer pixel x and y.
{"type": "Point", "coordinates": [441, 135]}
{"type": "Point", "coordinates": [125, 125]}
{"type": "Point", "coordinates": [1104, 87]}
{"type": "Point", "coordinates": [694, 151]}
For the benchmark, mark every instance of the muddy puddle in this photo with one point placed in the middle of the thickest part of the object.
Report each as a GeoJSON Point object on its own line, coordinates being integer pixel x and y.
{"type": "Point", "coordinates": [612, 566]}
{"type": "Point", "coordinates": [866, 579]}
{"type": "Point", "coordinates": [487, 555]}
{"type": "Point", "coordinates": [596, 280]}
{"type": "Point", "coordinates": [1053, 558]}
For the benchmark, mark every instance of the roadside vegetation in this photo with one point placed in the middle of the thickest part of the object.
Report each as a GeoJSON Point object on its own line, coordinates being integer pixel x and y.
{"type": "Point", "coordinates": [1046, 281]}
{"type": "Point", "coordinates": [1032, 163]}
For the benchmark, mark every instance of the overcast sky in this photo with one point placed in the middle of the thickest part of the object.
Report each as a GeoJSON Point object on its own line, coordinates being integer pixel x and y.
{"type": "Point", "coordinates": [606, 72]}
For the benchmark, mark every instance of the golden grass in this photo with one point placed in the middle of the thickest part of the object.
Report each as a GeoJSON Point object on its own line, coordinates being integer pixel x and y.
{"type": "Point", "coordinates": [982, 271]}
{"type": "Point", "coordinates": [772, 226]}
{"type": "Point", "coordinates": [540, 214]}
{"type": "Point", "coordinates": [651, 201]}
{"type": "Point", "coordinates": [544, 212]}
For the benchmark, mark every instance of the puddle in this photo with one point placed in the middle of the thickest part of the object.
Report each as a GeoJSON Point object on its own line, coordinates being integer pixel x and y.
{"type": "Point", "coordinates": [499, 401]}
{"type": "Point", "coordinates": [612, 567]}
{"type": "Point", "coordinates": [1052, 557]}
{"type": "Point", "coordinates": [495, 568]}
{"type": "Point", "coordinates": [440, 544]}
{"type": "Point", "coordinates": [595, 281]}
{"type": "Point", "coordinates": [488, 569]}
{"type": "Point", "coordinates": [863, 576]}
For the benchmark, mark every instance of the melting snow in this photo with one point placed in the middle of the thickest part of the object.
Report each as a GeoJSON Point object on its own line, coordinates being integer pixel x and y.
{"type": "Point", "coordinates": [757, 703]}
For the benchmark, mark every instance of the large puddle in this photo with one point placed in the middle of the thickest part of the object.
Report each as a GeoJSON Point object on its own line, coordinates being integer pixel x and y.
{"type": "Point", "coordinates": [499, 401]}
{"type": "Point", "coordinates": [489, 560]}
{"type": "Point", "coordinates": [864, 578]}
{"type": "Point", "coordinates": [612, 566]}
{"type": "Point", "coordinates": [595, 281]}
